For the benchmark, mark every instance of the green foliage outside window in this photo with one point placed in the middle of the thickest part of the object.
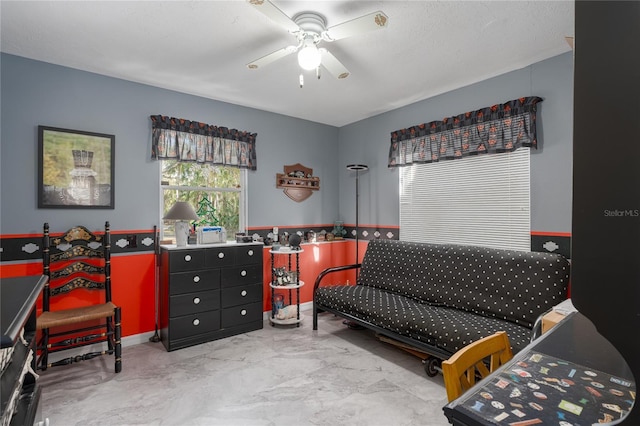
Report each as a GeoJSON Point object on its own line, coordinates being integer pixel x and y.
{"type": "Point", "coordinates": [213, 191]}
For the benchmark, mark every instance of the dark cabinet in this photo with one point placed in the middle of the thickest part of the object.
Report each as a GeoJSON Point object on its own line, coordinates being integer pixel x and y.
{"type": "Point", "coordinates": [208, 293]}
{"type": "Point", "coordinates": [19, 390]}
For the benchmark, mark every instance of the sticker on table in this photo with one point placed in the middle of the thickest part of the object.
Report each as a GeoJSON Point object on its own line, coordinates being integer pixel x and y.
{"type": "Point", "coordinates": [500, 417]}
{"type": "Point", "coordinates": [593, 392]}
{"type": "Point", "coordinates": [540, 395]}
{"type": "Point", "coordinates": [486, 395]}
{"type": "Point", "coordinates": [535, 358]}
{"type": "Point", "coordinates": [514, 378]}
{"type": "Point", "coordinates": [526, 422]}
{"type": "Point", "coordinates": [590, 373]}
{"type": "Point", "coordinates": [522, 373]}
{"type": "Point", "coordinates": [620, 382]}
{"type": "Point", "coordinates": [570, 407]}
{"type": "Point", "coordinates": [544, 370]}
{"type": "Point", "coordinates": [497, 404]}
{"type": "Point", "coordinates": [502, 384]}
{"type": "Point", "coordinates": [477, 406]}
{"type": "Point", "coordinates": [518, 413]}
{"type": "Point", "coordinates": [565, 423]}
{"type": "Point", "coordinates": [515, 393]}
{"type": "Point", "coordinates": [616, 392]}
{"type": "Point", "coordinates": [533, 386]}
{"type": "Point", "coordinates": [606, 418]}
{"type": "Point", "coordinates": [536, 406]}
{"type": "Point", "coordinates": [613, 407]}
{"type": "Point", "coordinates": [597, 385]}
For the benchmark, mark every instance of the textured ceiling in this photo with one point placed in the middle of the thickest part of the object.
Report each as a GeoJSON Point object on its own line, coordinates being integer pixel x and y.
{"type": "Point", "coordinates": [202, 48]}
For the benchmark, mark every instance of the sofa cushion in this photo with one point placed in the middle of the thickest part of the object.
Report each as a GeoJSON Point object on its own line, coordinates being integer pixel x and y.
{"type": "Point", "coordinates": [443, 327]}
{"type": "Point", "coordinates": [513, 285]}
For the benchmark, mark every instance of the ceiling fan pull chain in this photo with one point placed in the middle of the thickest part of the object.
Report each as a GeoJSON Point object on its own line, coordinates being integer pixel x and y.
{"type": "Point", "coordinates": [301, 81]}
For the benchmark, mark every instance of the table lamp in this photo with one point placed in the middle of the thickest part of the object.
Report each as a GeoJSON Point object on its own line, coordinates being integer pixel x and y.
{"type": "Point", "coordinates": [182, 212]}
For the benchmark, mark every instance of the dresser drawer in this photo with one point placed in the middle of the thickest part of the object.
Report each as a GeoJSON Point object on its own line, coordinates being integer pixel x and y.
{"type": "Point", "coordinates": [194, 324]}
{"type": "Point", "coordinates": [246, 255]}
{"type": "Point", "coordinates": [219, 256]}
{"type": "Point", "coordinates": [242, 275]}
{"type": "Point", "coordinates": [241, 314]}
{"type": "Point", "coordinates": [190, 282]}
{"type": "Point", "coordinates": [186, 260]}
{"type": "Point", "coordinates": [239, 295]}
{"type": "Point", "coordinates": [191, 303]}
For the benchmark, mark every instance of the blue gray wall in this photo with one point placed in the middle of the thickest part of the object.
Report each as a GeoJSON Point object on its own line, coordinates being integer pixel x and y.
{"type": "Point", "coordinates": [367, 141]}
{"type": "Point", "coordinates": [35, 93]}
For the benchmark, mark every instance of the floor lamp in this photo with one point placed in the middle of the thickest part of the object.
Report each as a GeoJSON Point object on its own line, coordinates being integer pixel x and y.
{"type": "Point", "coordinates": [357, 168]}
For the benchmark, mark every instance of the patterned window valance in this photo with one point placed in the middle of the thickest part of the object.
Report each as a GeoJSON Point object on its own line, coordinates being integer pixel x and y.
{"type": "Point", "coordinates": [184, 140]}
{"type": "Point", "coordinates": [498, 128]}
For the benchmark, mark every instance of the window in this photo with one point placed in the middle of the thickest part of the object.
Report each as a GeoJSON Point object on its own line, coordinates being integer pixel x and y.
{"type": "Point", "coordinates": [217, 193]}
{"type": "Point", "coordinates": [478, 200]}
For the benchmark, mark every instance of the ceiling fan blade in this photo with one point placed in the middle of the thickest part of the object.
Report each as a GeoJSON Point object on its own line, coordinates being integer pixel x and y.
{"type": "Point", "coordinates": [333, 65]}
{"type": "Point", "coordinates": [373, 21]}
{"type": "Point", "coordinates": [275, 14]}
{"type": "Point", "coordinates": [271, 57]}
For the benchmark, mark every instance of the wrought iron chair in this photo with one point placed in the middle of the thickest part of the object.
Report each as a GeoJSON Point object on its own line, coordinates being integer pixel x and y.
{"type": "Point", "coordinates": [462, 368]}
{"type": "Point", "coordinates": [77, 309]}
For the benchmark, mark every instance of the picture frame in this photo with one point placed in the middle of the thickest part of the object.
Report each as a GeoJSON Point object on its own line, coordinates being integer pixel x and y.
{"type": "Point", "coordinates": [75, 169]}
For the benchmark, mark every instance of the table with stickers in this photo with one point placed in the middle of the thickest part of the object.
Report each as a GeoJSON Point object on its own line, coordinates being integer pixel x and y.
{"type": "Point", "coordinates": [571, 377]}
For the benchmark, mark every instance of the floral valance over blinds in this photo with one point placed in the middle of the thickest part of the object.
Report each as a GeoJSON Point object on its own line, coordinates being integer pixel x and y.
{"type": "Point", "coordinates": [498, 128]}
{"type": "Point", "coordinates": [184, 140]}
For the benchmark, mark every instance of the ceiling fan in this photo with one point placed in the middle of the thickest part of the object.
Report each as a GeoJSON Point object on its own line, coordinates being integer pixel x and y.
{"type": "Point", "coordinates": [310, 30]}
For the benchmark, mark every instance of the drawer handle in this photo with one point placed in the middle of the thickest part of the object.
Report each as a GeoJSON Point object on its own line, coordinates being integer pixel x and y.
{"type": "Point", "coordinates": [196, 321]}
{"type": "Point", "coordinates": [243, 273]}
{"type": "Point", "coordinates": [243, 293]}
{"type": "Point", "coordinates": [250, 252]}
{"type": "Point", "coordinates": [196, 300]}
{"type": "Point", "coordinates": [187, 258]}
{"type": "Point", "coordinates": [196, 279]}
{"type": "Point", "coordinates": [221, 255]}
{"type": "Point", "coordinates": [243, 312]}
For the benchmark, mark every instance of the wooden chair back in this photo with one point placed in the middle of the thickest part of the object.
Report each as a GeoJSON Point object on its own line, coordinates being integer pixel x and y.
{"type": "Point", "coordinates": [78, 267]}
{"type": "Point", "coordinates": [476, 360]}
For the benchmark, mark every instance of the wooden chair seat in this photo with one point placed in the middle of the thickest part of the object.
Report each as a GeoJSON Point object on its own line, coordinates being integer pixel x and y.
{"type": "Point", "coordinates": [75, 315]}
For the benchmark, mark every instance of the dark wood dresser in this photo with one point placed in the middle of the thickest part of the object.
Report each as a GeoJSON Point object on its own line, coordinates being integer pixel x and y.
{"type": "Point", "coordinates": [19, 391]}
{"type": "Point", "coordinates": [209, 292]}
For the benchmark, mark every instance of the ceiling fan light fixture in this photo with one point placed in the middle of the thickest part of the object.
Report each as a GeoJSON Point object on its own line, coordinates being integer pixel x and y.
{"type": "Point", "coordinates": [309, 57]}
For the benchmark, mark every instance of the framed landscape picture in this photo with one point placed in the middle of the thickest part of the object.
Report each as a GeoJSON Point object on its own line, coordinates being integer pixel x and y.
{"type": "Point", "coordinates": [75, 169]}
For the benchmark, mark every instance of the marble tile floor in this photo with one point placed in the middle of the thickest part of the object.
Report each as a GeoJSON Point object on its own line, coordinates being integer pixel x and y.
{"type": "Point", "coordinates": [283, 376]}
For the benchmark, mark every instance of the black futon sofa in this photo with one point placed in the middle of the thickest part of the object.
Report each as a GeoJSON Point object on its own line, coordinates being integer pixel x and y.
{"type": "Point", "coordinates": [439, 298]}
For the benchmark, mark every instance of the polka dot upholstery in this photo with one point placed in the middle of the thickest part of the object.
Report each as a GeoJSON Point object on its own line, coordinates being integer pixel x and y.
{"type": "Point", "coordinates": [448, 296]}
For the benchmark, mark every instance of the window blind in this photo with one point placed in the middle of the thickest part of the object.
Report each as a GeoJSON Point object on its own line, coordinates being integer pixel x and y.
{"type": "Point", "coordinates": [480, 200]}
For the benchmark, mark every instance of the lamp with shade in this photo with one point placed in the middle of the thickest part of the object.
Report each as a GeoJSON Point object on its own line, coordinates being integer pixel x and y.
{"type": "Point", "coordinates": [182, 212]}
